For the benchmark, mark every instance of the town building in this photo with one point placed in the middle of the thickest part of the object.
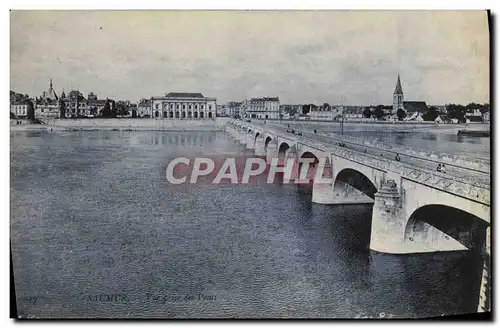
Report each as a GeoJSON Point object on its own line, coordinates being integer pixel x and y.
{"type": "Point", "coordinates": [184, 106]}
{"type": "Point", "coordinates": [20, 108]}
{"type": "Point", "coordinates": [48, 105]}
{"type": "Point", "coordinates": [235, 109]}
{"type": "Point", "coordinates": [144, 108]}
{"type": "Point", "coordinates": [263, 108]}
{"type": "Point", "coordinates": [75, 104]}
{"type": "Point", "coordinates": [353, 112]}
{"type": "Point", "coordinates": [409, 107]}
{"type": "Point", "coordinates": [324, 112]}
{"type": "Point", "coordinates": [475, 112]}
{"type": "Point", "coordinates": [415, 106]}
{"type": "Point", "coordinates": [132, 109]}
{"type": "Point", "coordinates": [290, 111]}
{"type": "Point", "coordinates": [486, 117]}
{"type": "Point", "coordinates": [19, 104]}
{"type": "Point", "coordinates": [94, 106]}
{"type": "Point", "coordinates": [221, 110]}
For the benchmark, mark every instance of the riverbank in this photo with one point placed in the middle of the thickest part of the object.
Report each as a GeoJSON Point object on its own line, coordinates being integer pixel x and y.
{"type": "Point", "coordinates": [124, 124]}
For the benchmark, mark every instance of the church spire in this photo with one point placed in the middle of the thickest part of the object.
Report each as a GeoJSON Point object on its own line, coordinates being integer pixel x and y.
{"type": "Point", "coordinates": [399, 89]}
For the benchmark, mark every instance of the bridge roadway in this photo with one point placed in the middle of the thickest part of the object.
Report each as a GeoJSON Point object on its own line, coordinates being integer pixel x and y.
{"type": "Point", "coordinates": [475, 176]}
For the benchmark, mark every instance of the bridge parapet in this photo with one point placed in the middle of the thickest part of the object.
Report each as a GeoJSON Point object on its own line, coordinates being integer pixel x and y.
{"type": "Point", "coordinates": [449, 158]}
{"type": "Point", "coordinates": [473, 190]}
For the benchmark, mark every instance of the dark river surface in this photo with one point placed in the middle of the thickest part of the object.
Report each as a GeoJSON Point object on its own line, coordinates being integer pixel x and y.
{"type": "Point", "coordinates": [92, 214]}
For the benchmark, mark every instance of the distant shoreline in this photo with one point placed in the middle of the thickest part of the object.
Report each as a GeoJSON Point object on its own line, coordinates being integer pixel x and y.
{"type": "Point", "coordinates": [218, 124]}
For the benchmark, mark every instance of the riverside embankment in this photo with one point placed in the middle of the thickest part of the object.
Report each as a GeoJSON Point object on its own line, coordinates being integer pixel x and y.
{"type": "Point", "coordinates": [123, 124]}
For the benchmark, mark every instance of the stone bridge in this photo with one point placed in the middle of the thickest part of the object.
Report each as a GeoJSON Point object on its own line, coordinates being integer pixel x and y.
{"type": "Point", "coordinates": [415, 210]}
{"type": "Point", "coordinates": [403, 196]}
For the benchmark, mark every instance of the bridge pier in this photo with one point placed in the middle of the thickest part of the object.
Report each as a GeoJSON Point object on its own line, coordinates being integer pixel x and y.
{"type": "Point", "coordinates": [393, 232]}
{"type": "Point", "coordinates": [243, 137]}
{"type": "Point", "coordinates": [388, 225]}
{"type": "Point", "coordinates": [260, 146]}
{"type": "Point", "coordinates": [250, 141]}
{"type": "Point", "coordinates": [291, 153]}
{"type": "Point", "coordinates": [271, 151]}
{"type": "Point", "coordinates": [484, 304]}
{"type": "Point", "coordinates": [322, 192]}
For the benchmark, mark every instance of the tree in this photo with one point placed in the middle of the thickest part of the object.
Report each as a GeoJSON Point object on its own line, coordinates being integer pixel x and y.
{"type": "Point", "coordinates": [106, 111]}
{"type": "Point", "coordinates": [401, 113]}
{"type": "Point", "coordinates": [431, 114]}
{"type": "Point", "coordinates": [378, 112]}
{"type": "Point", "coordinates": [305, 109]}
{"type": "Point", "coordinates": [113, 108]}
{"type": "Point", "coordinates": [31, 109]}
{"type": "Point", "coordinates": [456, 111]}
{"type": "Point", "coordinates": [367, 112]}
{"type": "Point", "coordinates": [62, 109]}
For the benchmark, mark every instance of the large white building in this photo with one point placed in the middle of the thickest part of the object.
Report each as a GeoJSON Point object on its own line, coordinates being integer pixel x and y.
{"type": "Point", "coordinates": [263, 108]}
{"type": "Point", "coordinates": [175, 105]}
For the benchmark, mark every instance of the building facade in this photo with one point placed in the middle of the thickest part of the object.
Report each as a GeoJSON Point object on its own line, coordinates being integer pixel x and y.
{"type": "Point", "coordinates": [94, 106]}
{"type": "Point", "coordinates": [233, 109]}
{"type": "Point", "coordinates": [144, 108]}
{"type": "Point", "coordinates": [325, 112]}
{"type": "Point", "coordinates": [75, 104]}
{"type": "Point", "coordinates": [180, 105]}
{"type": "Point", "coordinates": [19, 108]}
{"type": "Point", "coordinates": [48, 105]}
{"type": "Point", "coordinates": [19, 104]}
{"type": "Point", "coordinates": [263, 108]}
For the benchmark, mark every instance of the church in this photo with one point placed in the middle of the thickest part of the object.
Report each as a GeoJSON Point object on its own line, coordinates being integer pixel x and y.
{"type": "Point", "coordinates": [408, 106]}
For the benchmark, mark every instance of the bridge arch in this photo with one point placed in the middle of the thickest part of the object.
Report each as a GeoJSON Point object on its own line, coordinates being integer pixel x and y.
{"type": "Point", "coordinates": [267, 141]}
{"type": "Point", "coordinates": [433, 223]}
{"type": "Point", "coordinates": [282, 151]}
{"type": "Point", "coordinates": [355, 179]}
{"type": "Point", "coordinates": [257, 134]}
{"type": "Point", "coordinates": [310, 174]}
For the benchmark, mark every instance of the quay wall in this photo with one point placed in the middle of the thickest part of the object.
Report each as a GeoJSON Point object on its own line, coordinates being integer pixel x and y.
{"type": "Point", "coordinates": [130, 124]}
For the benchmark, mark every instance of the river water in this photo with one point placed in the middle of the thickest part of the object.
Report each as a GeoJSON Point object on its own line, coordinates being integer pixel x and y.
{"type": "Point", "coordinates": [97, 231]}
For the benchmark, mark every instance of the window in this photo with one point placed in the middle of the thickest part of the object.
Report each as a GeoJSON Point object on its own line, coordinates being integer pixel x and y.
{"type": "Point", "coordinates": [209, 106]}
{"type": "Point", "coordinates": [157, 106]}
{"type": "Point", "coordinates": [202, 108]}
{"type": "Point", "coordinates": [189, 106]}
{"type": "Point", "coordinates": [183, 106]}
{"type": "Point", "coordinates": [195, 106]}
{"type": "Point", "coordinates": [178, 107]}
{"type": "Point", "coordinates": [171, 106]}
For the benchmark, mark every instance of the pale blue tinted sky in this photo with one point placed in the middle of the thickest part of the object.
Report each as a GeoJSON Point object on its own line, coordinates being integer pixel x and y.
{"type": "Point", "coordinates": [302, 56]}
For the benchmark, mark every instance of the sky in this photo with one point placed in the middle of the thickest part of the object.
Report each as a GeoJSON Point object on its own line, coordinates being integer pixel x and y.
{"type": "Point", "coordinates": [339, 57]}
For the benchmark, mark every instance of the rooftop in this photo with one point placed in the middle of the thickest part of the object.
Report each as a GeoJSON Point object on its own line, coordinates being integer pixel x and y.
{"type": "Point", "coordinates": [184, 95]}
{"type": "Point", "coordinates": [265, 99]}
